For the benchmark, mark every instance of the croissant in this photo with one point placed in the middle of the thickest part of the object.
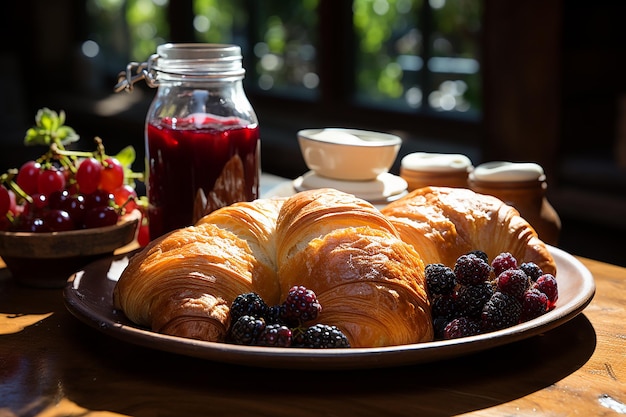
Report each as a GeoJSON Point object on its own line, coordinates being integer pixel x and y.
{"type": "Point", "coordinates": [183, 283]}
{"type": "Point", "coordinates": [443, 223]}
{"type": "Point", "coordinates": [369, 282]}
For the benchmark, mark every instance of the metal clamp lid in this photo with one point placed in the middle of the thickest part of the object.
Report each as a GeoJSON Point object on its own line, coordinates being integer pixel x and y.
{"type": "Point", "coordinates": [135, 72]}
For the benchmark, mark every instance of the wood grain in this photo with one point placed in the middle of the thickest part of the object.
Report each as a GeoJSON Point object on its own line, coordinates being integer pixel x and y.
{"type": "Point", "coordinates": [55, 365]}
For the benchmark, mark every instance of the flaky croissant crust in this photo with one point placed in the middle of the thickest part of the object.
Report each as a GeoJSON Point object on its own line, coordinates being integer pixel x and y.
{"type": "Point", "coordinates": [365, 265]}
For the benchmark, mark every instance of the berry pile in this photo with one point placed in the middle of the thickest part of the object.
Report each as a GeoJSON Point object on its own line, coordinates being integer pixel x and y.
{"type": "Point", "coordinates": [475, 296]}
{"type": "Point", "coordinates": [254, 323]}
{"type": "Point", "coordinates": [65, 190]}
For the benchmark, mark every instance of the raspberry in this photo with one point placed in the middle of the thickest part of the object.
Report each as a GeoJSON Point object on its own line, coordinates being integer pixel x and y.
{"type": "Point", "coordinates": [323, 336]}
{"type": "Point", "coordinates": [461, 327]}
{"type": "Point", "coordinates": [472, 298]}
{"type": "Point", "coordinates": [502, 262]}
{"type": "Point", "coordinates": [501, 311]}
{"type": "Point", "coordinates": [248, 304]}
{"type": "Point", "coordinates": [532, 270]}
{"type": "Point", "coordinates": [470, 270]}
{"type": "Point", "coordinates": [547, 285]}
{"type": "Point", "coordinates": [275, 335]}
{"type": "Point", "coordinates": [534, 304]}
{"type": "Point", "coordinates": [246, 330]}
{"type": "Point", "coordinates": [513, 282]}
{"type": "Point", "coordinates": [444, 306]}
{"type": "Point", "coordinates": [440, 279]}
{"type": "Point", "coordinates": [301, 305]}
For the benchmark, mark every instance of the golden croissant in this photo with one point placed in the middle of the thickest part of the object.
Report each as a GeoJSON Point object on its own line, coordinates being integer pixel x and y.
{"type": "Point", "coordinates": [366, 266]}
{"type": "Point", "coordinates": [443, 223]}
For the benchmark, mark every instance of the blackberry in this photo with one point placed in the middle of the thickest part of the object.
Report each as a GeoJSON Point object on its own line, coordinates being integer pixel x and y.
{"type": "Point", "coordinates": [275, 314]}
{"type": "Point", "coordinates": [502, 262]}
{"type": "Point", "coordinates": [301, 305]}
{"type": "Point", "coordinates": [440, 279]}
{"type": "Point", "coordinates": [501, 311]}
{"type": "Point", "coordinates": [532, 270]}
{"type": "Point", "coordinates": [277, 335]}
{"type": "Point", "coordinates": [547, 285]}
{"type": "Point", "coordinates": [439, 325]}
{"type": "Point", "coordinates": [471, 298]}
{"type": "Point", "coordinates": [461, 327]}
{"type": "Point", "coordinates": [246, 330]}
{"type": "Point", "coordinates": [323, 336]}
{"type": "Point", "coordinates": [534, 304]}
{"type": "Point", "coordinates": [248, 304]}
{"type": "Point", "coordinates": [481, 254]}
{"type": "Point", "coordinates": [444, 306]}
{"type": "Point", "coordinates": [470, 270]}
{"type": "Point", "coordinates": [513, 282]}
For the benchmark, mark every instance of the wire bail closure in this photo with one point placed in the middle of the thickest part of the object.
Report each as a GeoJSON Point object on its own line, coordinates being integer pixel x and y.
{"type": "Point", "coordinates": [136, 72]}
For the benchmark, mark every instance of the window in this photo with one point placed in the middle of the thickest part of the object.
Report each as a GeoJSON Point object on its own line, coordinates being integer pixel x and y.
{"type": "Point", "coordinates": [412, 57]}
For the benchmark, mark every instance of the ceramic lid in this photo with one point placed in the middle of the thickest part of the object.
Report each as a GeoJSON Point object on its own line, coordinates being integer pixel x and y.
{"type": "Point", "coordinates": [507, 171]}
{"type": "Point", "coordinates": [436, 162]}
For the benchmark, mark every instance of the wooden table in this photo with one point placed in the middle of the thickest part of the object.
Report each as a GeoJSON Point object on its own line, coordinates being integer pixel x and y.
{"type": "Point", "coordinates": [51, 364]}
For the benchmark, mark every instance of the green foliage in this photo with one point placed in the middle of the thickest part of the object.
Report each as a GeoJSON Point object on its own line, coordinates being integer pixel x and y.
{"type": "Point", "coordinates": [50, 129]}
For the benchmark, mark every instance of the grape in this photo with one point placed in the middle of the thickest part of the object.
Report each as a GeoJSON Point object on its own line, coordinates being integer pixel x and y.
{"type": "Point", "coordinates": [5, 200]}
{"type": "Point", "coordinates": [112, 175]}
{"type": "Point", "coordinates": [88, 175]}
{"type": "Point", "coordinates": [27, 177]}
{"type": "Point", "coordinates": [100, 217]}
{"type": "Point", "coordinates": [50, 180]}
{"type": "Point", "coordinates": [57, 199]}
{"type": "Point", "coordinates": [75, 207]}
{"type": "Point", "coordinates": [58, 221]}
{"type": "Point", "coordinates": [99, 198]}
{"type": "Point", "coordinates": [126, 196]}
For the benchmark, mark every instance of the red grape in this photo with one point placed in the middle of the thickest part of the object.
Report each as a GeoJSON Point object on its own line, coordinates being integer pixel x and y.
{"type": "Point", "coordinates": [88, 175]}
{"type": "Point", "coordinates": [58, 221]}
{"type": "Point", "coordinates": [57, 199]}
{"type": "Point", "coordinates": [112, 176]}
{"type": "Point", "coordinates": [5, 201]}
{"type": "Point", "coordinates": [75, 207]}
{"type": "Point", "coordinates": [99, 198]}
{"type": "Point", "coordinates": [100, 216]}
{"type": "Point", "coordinates": [50, 180]}
{"type": "Point", "coordinates": [27, 177]}
{"type": "Point", "coordinates": [126, 196]}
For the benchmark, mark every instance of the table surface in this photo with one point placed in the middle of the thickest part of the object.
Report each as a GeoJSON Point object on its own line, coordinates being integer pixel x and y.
{"type": "Point", "coordinates": [52, 364]}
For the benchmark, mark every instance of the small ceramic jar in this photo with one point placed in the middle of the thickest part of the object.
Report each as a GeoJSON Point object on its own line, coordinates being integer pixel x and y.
{"type": "Point", "coordinates": [523, 186]}
{"type": "Point", "coordinates": [422, 169]}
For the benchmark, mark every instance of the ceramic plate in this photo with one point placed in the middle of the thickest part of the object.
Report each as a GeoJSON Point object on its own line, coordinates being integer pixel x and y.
{"type": "Point", "coordinates": [88, 296]}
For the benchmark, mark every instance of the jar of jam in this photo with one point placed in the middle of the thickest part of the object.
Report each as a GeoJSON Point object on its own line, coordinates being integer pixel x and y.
{"type": "Point", "coordinates": [422, 169]}
{"type": "Point", "coordinates": [202, 134]}
{"type": "Point", "coordinates": [523, 186]}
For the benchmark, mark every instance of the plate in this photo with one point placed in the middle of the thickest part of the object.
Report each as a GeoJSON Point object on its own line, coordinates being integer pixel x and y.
{"type": "Point", "coordinates": [382, 190]}
{"type": "Point", "coordinates": [89, 292]}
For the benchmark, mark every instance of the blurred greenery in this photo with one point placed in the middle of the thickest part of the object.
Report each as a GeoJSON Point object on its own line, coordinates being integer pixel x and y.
{"type": "Point", "coordinates": [391, 62]}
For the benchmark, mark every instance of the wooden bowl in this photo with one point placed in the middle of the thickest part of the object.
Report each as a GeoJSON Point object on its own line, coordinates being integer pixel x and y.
{"type": "Point", "coordinates": [47, 260]}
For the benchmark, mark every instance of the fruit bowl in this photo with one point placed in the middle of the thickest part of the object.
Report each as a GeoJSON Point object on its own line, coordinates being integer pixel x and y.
{"type": "Point", "coordinates": [46, 260]}
{"type": "Point", "coordinates": [348, 154]}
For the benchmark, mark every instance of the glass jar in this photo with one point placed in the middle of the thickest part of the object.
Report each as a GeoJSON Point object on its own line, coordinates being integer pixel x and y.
{"type": "Point", "coordinates": [523, 186]}
{"type": "Point", "coordinates": [202, 135]}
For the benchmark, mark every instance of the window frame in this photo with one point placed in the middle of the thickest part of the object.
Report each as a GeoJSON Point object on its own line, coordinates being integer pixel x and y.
{"type": "Point", "coordinates": [336, 104]}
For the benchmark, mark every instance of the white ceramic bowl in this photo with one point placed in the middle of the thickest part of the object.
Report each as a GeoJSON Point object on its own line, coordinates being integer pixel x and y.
{"type": "Point", "coordinates": [348, 154]}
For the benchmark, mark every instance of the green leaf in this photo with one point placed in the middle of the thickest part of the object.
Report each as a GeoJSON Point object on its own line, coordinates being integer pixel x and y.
{"type": "Point", "coordinates": [50, 128]}
{"type": "Point", "coordinates": [126, 156]}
